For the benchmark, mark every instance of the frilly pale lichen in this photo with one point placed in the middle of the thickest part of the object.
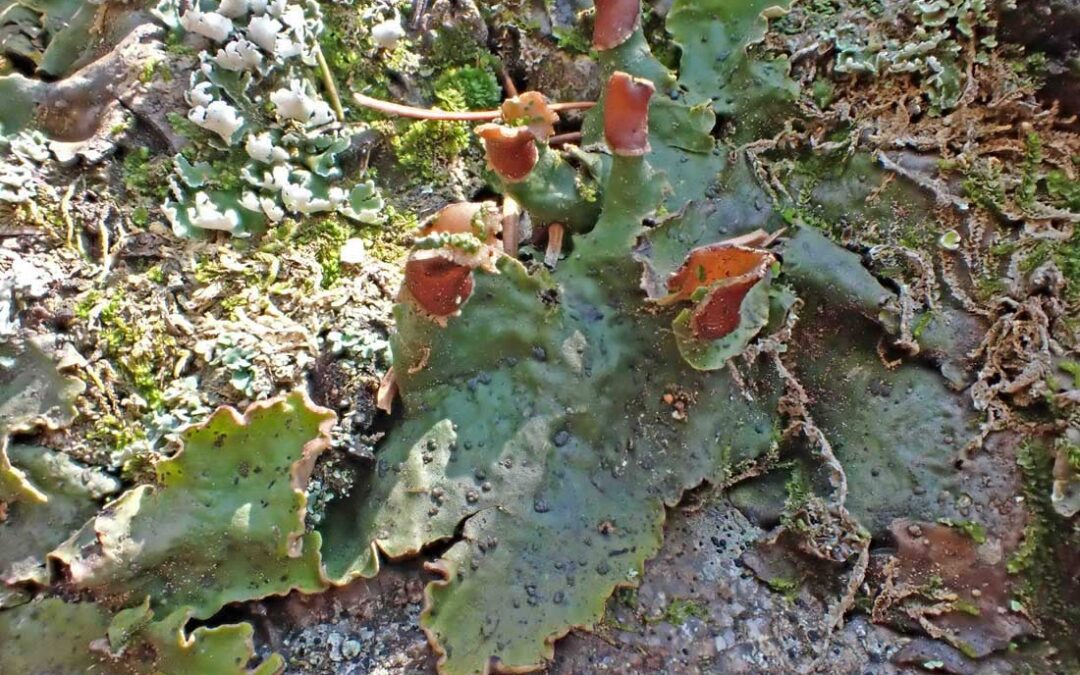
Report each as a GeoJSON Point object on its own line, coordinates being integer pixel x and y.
{"type": "Point", "coordinates": [265, 66]}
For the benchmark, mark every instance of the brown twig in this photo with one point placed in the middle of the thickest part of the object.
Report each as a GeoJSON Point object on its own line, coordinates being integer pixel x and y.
{"type": "Point", "coordinates": [388, 391]}
{"type": "Point", "coordinates": [400, 110]}
{"type": "Point", "coordinates": [554, 244]}
{"type": "Point", "coordinates": [508, 83]}
{"type": "Point", "coordinates": [563, 139]}
{"type": "Point", "coordinates": [511, 225]}
{"type": "Point", "coordinates": [328, 82]}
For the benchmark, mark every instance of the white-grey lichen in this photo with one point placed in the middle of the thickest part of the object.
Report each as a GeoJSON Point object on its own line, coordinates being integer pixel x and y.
{"type": "Point", "coordinates": [263, 62]}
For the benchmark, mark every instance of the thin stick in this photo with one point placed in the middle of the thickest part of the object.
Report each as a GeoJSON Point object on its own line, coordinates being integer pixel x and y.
{"type": "Point", "coordinates": [65, 211]}
{"type": "Point", "coordinates": [554, 244]}
{"type": "Point", "coordinates": [508, 84]}
{"type": "Point", "coordinates": [563, 139]}
{"type": "Point", "coordinates": [448, 115]}
{"type": "Point", "coordinates": [106, 259]}
{"type": "Point", "coordinates": [388, 390]}
{"type": "Point", "coordinates": [328, 82]}
{"type": "Point", "coordinates": [511, 223]}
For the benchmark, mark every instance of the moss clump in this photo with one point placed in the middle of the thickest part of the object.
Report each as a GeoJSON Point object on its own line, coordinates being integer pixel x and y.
{"type": "Point", "coordinates": [153, 69]}
{"type": "Point", "coordinates": [391, 241]}
{"type": "Point", "coordinates": [340, 43]}
{"type": "Point", "coordinates": [1034, 557]}
{"type": "Point", "coordinates": [146, 177]}
{"type": "Point", "coordinates": [983, 185]}
{"type": "Point", "coordinates": [351, 55]}
{"type": "Point", "coordinates": [789, 588]}
{"type": "Point", "coordinates": [680, 610]}
{"type": "Point", "coordinates": [799, 494]}
{"type": "Point", "coordinates": [1064, 254]}
{"type": "Point", "coordinates": [972, 529]}
{"type": "Point", "coordinates": [427, 147]}
{"type": "Point", "coordinates": [457, 46]}
{"type": "Point", "coordinates": [140, 351]}
{"type": "Point", "coordinates": [327, 236]}
{"type": "Point", "coordinates": [1063, 191]}
{"type": "Point", "coordinates": [478, 88]}
{"type": "Point", "coordinates": [114, 432]}
{"type": "Point", "coordinates": [1029, 179]}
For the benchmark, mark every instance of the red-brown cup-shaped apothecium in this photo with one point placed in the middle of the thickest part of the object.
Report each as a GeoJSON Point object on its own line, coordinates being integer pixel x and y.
{"type": "Point", "coordinates": [511, 151]}
{"type": "Point", "coordinates": [720, 312]}
{"type": "Point", "coordinates": [616, 21]}
{"type": "Point", "coordinates": [626, 114]}
{"type": "Point", "coordinates": [477, 218]}
{"type": "Point", "coordinates": [531, 109]}
{"type": "Point", "coordinates": [439, 285]}
{"type": "Point", "coordinates": [706, 265]}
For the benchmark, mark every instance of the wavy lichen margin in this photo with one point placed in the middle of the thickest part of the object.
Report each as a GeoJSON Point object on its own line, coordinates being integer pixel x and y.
{"type": "Point", "coordinates": [223, 522]}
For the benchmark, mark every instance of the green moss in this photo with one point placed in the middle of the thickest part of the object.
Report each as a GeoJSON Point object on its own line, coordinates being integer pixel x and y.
{"type": "Point", "coordinates": [972, 529]}
{"type": "Point", "coordinates": [352, 57]}
{"type": "Point", "coordinates": [989, 287]}
{"type": "Point", "coordinates": [966, 607]}
{"type": "Point", "coordinates": [86, 304]}
{"type": "Point", "coordinates": [799, 495]}
{"type": "Point", "coordinates": [679, 610]}
{"type": "Point", "coordinates": [185, 128]}
{"type": "Point", "coordinates": [1030, 70]}
{"type": "Point", "coordinates": [340, 45]}
{"type": "Point", "coordinates": [1063, 191]}
{"type": "Point", "coordinates": [1032, 557]}
{"type": "Point", "coordinates": [477, 88]}
{"type": "Point", "coordinates": [1072, 454]}
{"type": "Point", "coordinates": [139, 351]}
{"type": "Point", "coordinates": [146, 177]}
{"type": "Point", "coordinates": [1067, 257]}
{"type": "Point", "coordinates": [921, 322]}
{"type": "Point", "coordinates": [1064, 254]}
{"type": "Point", "coordinates": [140, 215]}
{"type": "Point", "coordinates": [458, 46]}
{"type": "Point", "coordinates": [391, 242]}
{"type": "Point", "coordinates": [1004, 249]}
{"type": "Point", "coordinates": [138, 468]}
{"type": "Point", "coordinates": [174, 44]}
{"type": "Point", "coordinates": [983, 185]}
{"type": "Point", "coordinates": [789, 588]}
{"type": "Point", "coordinates": [966, 649]}
{"type": "Point", "coordinates": [327, 235]}
{"type": "Point", "coordinates": [154, 68]}
{"type": "Point", "coordinates": [114, 432]}
{"type": "Point", "coordinates": [426, 147]}
{"type": "Point", "coordinates": [1072, 368]}
{"type": "Point", "coordinates": [822, 92]}
{"type": "Point", "coordinates": [573, 39]}
{"type": "Point", "coordinates": [1029, 180]}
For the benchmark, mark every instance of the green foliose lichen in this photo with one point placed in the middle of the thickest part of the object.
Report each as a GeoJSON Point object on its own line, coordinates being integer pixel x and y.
{"type": "Point", "coordinates": [223, 521]}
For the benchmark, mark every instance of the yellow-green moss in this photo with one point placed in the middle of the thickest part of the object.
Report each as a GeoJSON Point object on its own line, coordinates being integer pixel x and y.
{"type": "Point", "coordinates": [679, 610]}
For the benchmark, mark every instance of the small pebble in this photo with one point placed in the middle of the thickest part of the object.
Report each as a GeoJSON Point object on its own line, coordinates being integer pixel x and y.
{"type": "Point", "coordinates": [353, 252]}
{"type": "Point", "coordinates": [387, 34]}
{"type": "Point", "coordinates": [350, 649]}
